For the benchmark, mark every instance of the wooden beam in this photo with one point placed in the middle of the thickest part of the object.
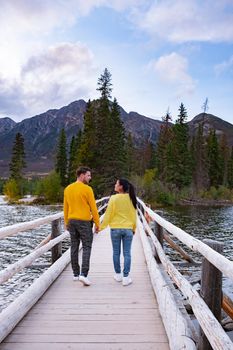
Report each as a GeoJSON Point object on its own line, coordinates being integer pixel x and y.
{"type": "Point", "coordinates": [211, 290]}
{"type": "Point", "coordinates": [178, 332]}
{"type": "Point", "coordinates": [24, 226]}
{"type": "Point", "coordinates": [10, 316]}
{"type": "Point", "coordinates": [227, 305]}
{"type": "Point", "coordinates": [177, 248]}
{"type": "Point", "coordinates": [56, 250]}
{"type": "Point", "coordinates": [213, 330]}
{"type": "Point", "coordinates": [218, 260]}
{"type": "Point", "coordinates": [12, 269]}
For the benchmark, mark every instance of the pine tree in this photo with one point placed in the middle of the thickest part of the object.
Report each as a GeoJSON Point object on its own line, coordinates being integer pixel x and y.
{"type": "Point", "coordinates": [199, 157]}
{"type": "Point", "coordinates": [214, 164]}
{"type": "Point", "coordinates": [161, 152]}
{"type": "Point", "coordinates": [88, 150]}
{"type": "Point", "coordinates": [72, 156]}
{"type": "Point", "coordinates": [17, 163]}
{"type": "Point", "coordinates": [118, 141]}
{"type": "Point", "coordinates": [179, 157]}
{"type": "Point", "coordinates": [61, 158]}
{"type": "Point", "coordinates": [130, 155]}
{"type": "Point", "coordinates": [105, 85]}
{"type": "Point", "coordinates": [224, 154]}
{"type": "Point", "coordinates": [230, 170]}
{"type": "Point", "coordinates": [109, 136]}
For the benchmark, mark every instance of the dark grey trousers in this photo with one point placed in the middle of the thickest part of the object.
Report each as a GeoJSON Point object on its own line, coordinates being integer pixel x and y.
{"type": "Point", "coordinates": [80, 230]}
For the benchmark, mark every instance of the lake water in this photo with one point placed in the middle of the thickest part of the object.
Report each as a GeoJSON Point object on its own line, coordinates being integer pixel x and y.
{"type": "Point", "coordinates": [15, 247]}
{"type": "Point", "coordinates": [201, 222]}
{"type": "Point", "coordinates": [204, 222]}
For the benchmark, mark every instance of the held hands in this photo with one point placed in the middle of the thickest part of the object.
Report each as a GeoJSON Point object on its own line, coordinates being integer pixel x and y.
{"type": "Point", "coordinates": [96, 229]}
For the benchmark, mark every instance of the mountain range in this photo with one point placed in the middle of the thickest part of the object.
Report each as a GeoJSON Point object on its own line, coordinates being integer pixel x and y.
{"type": "Point", "coordinates": [41, 133]}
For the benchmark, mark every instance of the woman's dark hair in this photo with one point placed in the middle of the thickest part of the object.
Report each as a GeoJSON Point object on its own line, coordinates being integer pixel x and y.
{"type": "Point", "coordinates": [129, 188]}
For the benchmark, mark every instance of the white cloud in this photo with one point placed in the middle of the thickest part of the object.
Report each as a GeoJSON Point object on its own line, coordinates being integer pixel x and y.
{"type": "Point", "coordinates": [226, 66]}
{"type": "Point", "coordinates": [173, 70]}
{"type": "Point", "coordinates": [59, 75]}
{"type": "Point", "coordinates": [181, 21]}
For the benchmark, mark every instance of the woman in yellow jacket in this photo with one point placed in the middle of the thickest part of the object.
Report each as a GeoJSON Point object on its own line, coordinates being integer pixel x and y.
{"type": "Point", "coordinates": [121, 217]}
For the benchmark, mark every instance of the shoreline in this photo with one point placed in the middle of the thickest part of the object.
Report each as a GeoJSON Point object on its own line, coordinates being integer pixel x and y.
{"type": "Point", "coordinates": [206, 202]}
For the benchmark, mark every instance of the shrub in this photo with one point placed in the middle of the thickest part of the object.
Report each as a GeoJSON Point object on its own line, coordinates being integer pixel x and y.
{"type": "Point", "coordinates": [11, 190]}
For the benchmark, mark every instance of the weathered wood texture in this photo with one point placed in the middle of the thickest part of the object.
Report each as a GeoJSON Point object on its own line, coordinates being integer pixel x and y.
{"type": "Point", "coordinates": [12, 269]}
{"type": "Point", "coordinates": [24, 226]}
{"type": "Point", "coordinates": [56, 231]}
{"type": "Point", "coordinates": [218, 260]}
{"type": "Point", "coordinates": [213, 330]}
{"type": "Point", "coordinates": [10, 316]}
{"type": "Point", "coordinates": [211, 289]}
{"type": "Point", "coordinates": [177, 328]}
{"type": "Point", "coordinates": [104, 316]}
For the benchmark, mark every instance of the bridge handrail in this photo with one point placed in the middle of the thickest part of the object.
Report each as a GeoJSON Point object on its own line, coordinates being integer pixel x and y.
{"type": "Point", "coordinates": [28, 225]}
{"type": "Point", "coordinates": [13, 313]}
{"type": "Point", "coordinates": [218, 260]}
{"type": "Point", "coordinates": [210, 325]}
{"type": "Point", "coordinates": [19, 265]}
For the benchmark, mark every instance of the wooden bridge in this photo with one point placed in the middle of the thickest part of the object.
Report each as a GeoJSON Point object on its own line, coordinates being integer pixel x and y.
{"type": "Point", "coordinates": [56, 312]}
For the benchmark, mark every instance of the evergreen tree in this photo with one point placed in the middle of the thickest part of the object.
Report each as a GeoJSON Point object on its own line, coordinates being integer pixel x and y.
{"type": "Point", "coordinates": [199, 157]}
{"type": "Point", "coordinates": [103, 145]}
{"type": "Point", "coordinates": [182, 116]}
{"type": "Point", "coordinates": [105, 85]}
{"type": "Point", "coordinates": [17, 163]}
{"type": "Point", "coordinates": [223, 158]}
{"type": "Point", "coordinates": [214, 163]}
{"type": "Point", "coordinates": [88, 150]}
{"type": "Point", "coordinates": [179, 157]}
{"type": "Point", "coordinates": [117, 150]}
{"type": "Point", "coordinates": [161, 152]}
{"type": "Point", "coordinates": [130, 155]}
{"type": "Point", "coordinates": [230, 170]}
{"type": "Point", "coordinates": [109, 136]}
{"type": "Point", "coordinates": [72, 156]}
{"type": "Point", "coordinates": [61, 158]}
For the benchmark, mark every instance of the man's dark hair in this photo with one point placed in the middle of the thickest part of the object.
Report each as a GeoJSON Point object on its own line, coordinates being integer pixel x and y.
{"type": "Point", "coordinates": [82, 170]}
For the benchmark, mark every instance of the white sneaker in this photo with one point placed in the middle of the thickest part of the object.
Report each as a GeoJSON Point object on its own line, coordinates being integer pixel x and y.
{"type": "Point", "coordinates": [85, 281]}
{"type": "Point", "coordinates": [75, 278]}
{"type": "Point", "coordinates": [126, 281]}
{"type": "Point", "coordinates": [117, 277]}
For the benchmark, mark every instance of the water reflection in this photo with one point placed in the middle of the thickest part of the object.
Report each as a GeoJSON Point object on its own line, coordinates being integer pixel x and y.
{"type": "Point", "coordinates": [205, 222]}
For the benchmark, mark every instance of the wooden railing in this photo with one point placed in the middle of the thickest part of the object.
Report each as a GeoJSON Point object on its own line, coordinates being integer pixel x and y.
{"type": "Point", "coordinates": [164, 275]}
{"type": "Point", "coordinates": [180, 331]}
{"type": "Point", "coordinates": [12, 314]}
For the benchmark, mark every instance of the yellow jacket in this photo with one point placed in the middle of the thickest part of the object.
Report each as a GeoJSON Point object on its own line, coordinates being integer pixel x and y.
{"type": "Point", "coordinates": [79, 203]}
{"type": "Point", "coordinates": [120, 213]}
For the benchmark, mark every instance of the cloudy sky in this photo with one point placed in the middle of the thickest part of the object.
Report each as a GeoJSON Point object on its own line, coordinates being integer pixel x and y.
{"type": "Point", "coordinates": [160, 53]}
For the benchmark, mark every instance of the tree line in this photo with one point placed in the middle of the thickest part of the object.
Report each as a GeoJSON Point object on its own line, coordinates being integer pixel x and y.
{"type": "Point", "coordinates": [179, 166]}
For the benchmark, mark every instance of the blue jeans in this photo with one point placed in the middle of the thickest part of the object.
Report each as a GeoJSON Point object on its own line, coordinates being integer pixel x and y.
{"type": "Point", "coordinates": [126, 236]}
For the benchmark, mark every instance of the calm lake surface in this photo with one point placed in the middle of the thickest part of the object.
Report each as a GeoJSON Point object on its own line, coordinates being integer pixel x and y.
{"type": "Point", "coordinates": [201, 222]}
{"type": "Point", "coordinates": [204, 222]}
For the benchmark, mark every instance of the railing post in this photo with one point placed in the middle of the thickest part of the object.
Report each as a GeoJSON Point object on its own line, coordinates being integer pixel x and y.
{"type": "Point", "coordinates": [159, 235]}
{"type": "Point", "coordinates": [56, 231]}
{"type": "Point", "coordinates": [211, 289]}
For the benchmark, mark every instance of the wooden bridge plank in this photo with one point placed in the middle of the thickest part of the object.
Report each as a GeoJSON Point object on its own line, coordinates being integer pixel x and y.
{"type": "Point", "coordinates": [103, 316]}
{"type": "Point", "coordinates": [85, 346]}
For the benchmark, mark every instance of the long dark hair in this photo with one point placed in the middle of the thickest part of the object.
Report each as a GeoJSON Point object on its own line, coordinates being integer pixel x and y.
{"type": "Point", "coordinates": [129, 188]}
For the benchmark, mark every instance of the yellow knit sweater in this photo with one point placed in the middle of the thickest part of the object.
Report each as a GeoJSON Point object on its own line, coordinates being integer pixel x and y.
{"type": "Point", "coordinates": [120, 213]}
{"type": "Point", "coordinates": [79, 203]}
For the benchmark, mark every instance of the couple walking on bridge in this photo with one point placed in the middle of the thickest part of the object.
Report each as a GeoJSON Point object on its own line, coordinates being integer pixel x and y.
{"type": "Point", "coordinates": [80, 211]}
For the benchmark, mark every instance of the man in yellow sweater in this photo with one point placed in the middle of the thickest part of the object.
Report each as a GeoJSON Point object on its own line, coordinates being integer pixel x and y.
{"type": "Point", "coordinates": [79, 212]}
